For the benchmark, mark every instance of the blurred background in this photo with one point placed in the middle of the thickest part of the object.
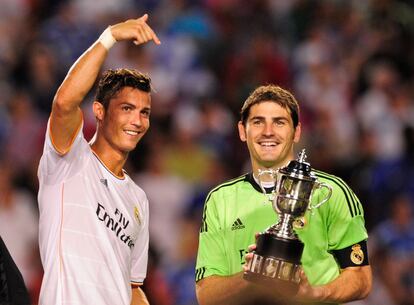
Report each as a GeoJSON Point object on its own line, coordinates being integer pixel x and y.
{"type": "Point", "coordinates": [349, 63]}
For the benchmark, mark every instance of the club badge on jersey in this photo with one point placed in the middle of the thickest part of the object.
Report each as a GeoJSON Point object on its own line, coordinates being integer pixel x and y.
{"type": "Point", "coordinates": [357, 255]}
{"type": "Point", "coordinates": [137, 215]}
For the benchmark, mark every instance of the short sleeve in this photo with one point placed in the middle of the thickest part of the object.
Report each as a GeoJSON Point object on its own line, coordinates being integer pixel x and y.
{"type": "Point", "coordinates": [139, 259]}
{"type": "Point", "coordinates": [346, 224]}
{"type": "Point", "coordinates": [211, 257]}
{"type": "Point", "coordinates": [55, 167]}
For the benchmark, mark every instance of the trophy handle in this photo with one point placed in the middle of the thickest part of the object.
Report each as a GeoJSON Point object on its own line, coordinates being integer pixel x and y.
{"type": "Point", "coordinates": [321, 185]}
{"type": "Point", "coordinates": [271, 172]}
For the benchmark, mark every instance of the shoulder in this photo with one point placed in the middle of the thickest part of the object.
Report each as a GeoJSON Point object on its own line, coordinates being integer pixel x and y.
{"type": "Point", "coordinates": [228, 186]}
{"type": "Point", "coordinates": [337, 183]}
{"type": "Point", "coordinates": [135, 187]}
{"type": "Point", "coordinates": [54, 167]}
{"type": "Point", "coordinates": [341, 193]}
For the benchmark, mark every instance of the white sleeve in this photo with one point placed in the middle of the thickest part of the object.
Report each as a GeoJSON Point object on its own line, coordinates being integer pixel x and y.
{"type": "Point", "coordinates": [55, 167]}
{"type": "Point", "coordinates": [140, 251]}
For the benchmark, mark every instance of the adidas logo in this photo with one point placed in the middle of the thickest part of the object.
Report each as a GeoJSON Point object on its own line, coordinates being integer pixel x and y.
{"type": "Point", "coordinates": [104, 182]}
{"type": "Point", "coordinates": [237, 225]}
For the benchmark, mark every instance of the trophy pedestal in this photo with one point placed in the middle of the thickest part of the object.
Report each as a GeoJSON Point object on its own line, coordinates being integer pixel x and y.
{"type": "Point", "coordinates": [276, 261]}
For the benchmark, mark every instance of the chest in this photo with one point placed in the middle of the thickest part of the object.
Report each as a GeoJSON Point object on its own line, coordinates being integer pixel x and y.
{"type": "Point", "coordinates": [253, 213]}
{"type": "Point", "coordinates": [103, 206]}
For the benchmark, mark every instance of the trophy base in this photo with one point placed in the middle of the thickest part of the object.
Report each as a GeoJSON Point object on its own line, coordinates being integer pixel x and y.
{"type": "Point", "coordinates": [276, 261]}
{"type": "Point", "coordinates": [289, 288]}
{"type": "Point", "coordinates": [289, 250]}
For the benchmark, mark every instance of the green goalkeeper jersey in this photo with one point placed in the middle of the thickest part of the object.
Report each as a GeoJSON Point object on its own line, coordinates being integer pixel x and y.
{"type": "Point", "coordinates": [236, 210]}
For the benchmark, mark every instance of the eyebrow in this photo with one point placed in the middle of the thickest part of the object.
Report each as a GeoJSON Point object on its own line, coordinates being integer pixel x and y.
{"type": "Point", "coordinates": [258, 117]}
{"type": "Point", "coordinates": [133, 105]}
{"type": "Point", "coordinates": [127, 104]}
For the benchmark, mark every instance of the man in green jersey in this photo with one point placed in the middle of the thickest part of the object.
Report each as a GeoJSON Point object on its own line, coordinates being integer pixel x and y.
{"type": "Point", "coordinates": [335, 258]}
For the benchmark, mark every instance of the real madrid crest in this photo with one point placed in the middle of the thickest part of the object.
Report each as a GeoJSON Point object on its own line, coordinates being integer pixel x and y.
{"type": "Point", "coordinates": [357, 255]}
{"type": "Point", "coordinates": [136, 215]}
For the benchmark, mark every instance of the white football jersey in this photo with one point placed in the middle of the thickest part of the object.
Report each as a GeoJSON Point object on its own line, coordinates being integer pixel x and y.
{"type": "Point", "coordinates": [93, 229]}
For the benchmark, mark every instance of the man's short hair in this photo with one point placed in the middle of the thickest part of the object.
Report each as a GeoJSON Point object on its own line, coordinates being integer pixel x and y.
{"type": "Point", "coordinates": [113, 81]}
{"type": "Point", "coordinates": [275, 94]}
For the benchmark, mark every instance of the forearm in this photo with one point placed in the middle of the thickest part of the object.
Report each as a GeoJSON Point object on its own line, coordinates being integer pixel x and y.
{"type": "Point", "coordinates": [353, 284]}
{"type": "Point", "coordinates": [224, 290]}
{"type": "Point", "coordinates": [138, 297]}
{"type": "Point", "coordinates": [66, 113]}
{"type": "Point", "coordinates": [84, 71]}
{"type": "Point", "coordinates": [81, 77]}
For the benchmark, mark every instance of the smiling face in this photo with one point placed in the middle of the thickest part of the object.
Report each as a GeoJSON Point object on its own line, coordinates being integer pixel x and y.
{"type": "Point", "coordinates": [270, 135]}
{"type": "Point", "coordinates": [126, 120]}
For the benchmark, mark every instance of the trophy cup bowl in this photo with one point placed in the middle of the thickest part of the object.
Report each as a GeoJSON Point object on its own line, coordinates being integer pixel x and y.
{"type": "Point", "coordinates": [276, 259]}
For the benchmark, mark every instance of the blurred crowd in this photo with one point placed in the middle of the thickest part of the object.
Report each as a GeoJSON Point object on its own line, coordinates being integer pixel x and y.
{"type": "Point", "coordinates": [348, 62]}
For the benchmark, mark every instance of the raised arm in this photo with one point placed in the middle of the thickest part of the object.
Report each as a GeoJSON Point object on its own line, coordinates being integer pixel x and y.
{"type": "Point", "coordinates": [66, 113]}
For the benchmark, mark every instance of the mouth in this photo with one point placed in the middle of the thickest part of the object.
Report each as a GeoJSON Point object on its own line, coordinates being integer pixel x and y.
{"type": "Point", "coordinates": [133, 133]}
{"type": "Point", "coordinates": [268, 144]}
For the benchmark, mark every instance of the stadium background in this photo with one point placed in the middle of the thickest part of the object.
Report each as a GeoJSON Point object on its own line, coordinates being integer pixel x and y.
{"type": "Point", "coordinates": [349, 63]}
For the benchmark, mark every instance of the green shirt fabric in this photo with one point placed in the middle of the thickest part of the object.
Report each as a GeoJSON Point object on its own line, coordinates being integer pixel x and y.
{"type": "Point", "coordinates": [236, 210]}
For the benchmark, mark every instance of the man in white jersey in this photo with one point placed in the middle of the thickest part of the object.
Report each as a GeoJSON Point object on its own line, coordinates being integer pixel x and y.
{"type": "Point", "coordinates": [93, 219]}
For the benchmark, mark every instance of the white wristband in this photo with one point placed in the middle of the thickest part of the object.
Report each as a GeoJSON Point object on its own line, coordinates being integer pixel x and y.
{"type": "Point", "coordinates": [107, 39]}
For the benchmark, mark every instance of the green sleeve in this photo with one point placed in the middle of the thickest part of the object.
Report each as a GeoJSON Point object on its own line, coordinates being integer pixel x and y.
{"type": "Point", "coordinates": [346, 224]}
{"type": "Point", "coordinates": [211, 252]}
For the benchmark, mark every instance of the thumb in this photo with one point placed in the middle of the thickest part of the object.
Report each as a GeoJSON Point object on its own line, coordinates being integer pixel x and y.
{"type": "Point", "coordinates": [303, 278]}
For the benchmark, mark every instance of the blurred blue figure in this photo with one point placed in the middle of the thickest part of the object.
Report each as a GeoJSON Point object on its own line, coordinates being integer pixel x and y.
{"type": "Point", "coordinates": [393, 242]}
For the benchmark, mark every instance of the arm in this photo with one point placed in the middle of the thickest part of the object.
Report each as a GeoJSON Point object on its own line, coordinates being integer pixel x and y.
{"type": "Point", "coordinates": [353, 283]}
{"type": "Point", "coordinates": [224, 290]}
{"type": "Point", "coordinates": [138, 296]}
{"type": "Point", "coordinates": [66, 113]}
{"type": "Point", "coordinates": [214, 282]}
{"type": "Point", "coordinates": [347, 242]}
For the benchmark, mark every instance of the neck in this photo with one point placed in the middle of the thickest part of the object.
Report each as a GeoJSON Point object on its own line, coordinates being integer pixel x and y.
{"type": "Point", "coordinates": [268, 177]}
{"type": "Point", "coordinates": [114, 160]}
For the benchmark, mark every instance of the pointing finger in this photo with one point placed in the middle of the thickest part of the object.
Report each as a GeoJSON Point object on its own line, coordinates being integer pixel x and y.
{"type": "Point", "coordinates": [149, 33]}
{"type": "Point", "coordinates": [154, 36]}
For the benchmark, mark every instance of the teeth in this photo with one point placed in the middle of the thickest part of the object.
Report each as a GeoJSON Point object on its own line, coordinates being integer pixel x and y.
{"type": "Point", "coordinates": [131, 132]}
{"type": "Point", "coordinates": [268, 144]}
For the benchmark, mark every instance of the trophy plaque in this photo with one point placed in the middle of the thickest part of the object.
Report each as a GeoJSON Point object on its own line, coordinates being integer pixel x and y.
{"type": "Point", "coordinates": [278, 249]}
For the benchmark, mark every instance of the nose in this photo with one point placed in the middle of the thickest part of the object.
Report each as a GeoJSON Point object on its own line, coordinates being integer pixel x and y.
{"type": "Point", "coordinates": [268, 129]}
{"type": "Point", "coordinates": [137, 120]}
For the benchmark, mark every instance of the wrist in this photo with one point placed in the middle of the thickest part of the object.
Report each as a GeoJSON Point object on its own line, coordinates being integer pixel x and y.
{"type": "Point", "coordinates": [321, 293]}
{"type": "Point", "coordinates": [107, 39]}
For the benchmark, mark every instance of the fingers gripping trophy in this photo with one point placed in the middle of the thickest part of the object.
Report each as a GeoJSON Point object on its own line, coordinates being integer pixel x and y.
{"type": "Point", "coordinates": [279, 250]}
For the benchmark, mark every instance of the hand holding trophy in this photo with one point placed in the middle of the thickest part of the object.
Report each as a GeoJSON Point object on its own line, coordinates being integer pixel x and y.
{"type": "Point", "coordinates": [279, 250]}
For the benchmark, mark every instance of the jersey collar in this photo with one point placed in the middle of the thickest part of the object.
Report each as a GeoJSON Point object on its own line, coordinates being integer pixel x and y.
{"type": "Point", "coordinates": [256, 186]}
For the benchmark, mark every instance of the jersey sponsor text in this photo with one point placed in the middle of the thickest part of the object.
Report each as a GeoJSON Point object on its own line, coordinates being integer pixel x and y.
{"type": "Point", "coordinates": [117, 224]}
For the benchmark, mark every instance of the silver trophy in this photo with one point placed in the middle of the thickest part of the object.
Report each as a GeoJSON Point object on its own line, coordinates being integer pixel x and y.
{"type": "Point", "coordinates": [279, 250]}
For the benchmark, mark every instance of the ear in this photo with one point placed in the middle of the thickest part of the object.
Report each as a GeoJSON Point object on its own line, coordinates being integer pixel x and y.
{"type": "Point", "coordinates": [98, 111]}
{"type": "Point", "coordinates": [242, 131]}
{"type": "Point", "coordinates": [298, 131]}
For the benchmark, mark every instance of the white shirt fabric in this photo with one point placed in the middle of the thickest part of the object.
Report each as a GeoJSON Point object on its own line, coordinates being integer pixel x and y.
{"type": "Point", "coordinates": [93, 229]}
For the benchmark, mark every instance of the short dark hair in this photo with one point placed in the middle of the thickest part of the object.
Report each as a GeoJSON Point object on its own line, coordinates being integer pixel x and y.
{"type": "Point", "coordinates": [113, 81]}
{"type": "Point", "coordinates": [275, 94]}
